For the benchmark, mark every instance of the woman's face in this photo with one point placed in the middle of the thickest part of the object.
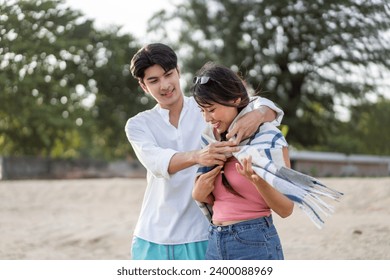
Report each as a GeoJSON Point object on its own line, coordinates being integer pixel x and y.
{"type": "Point", "coordinates": [220, 116]}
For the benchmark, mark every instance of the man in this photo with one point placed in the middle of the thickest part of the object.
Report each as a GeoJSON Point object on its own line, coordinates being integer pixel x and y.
{"type": "Point", "coordinates": [166, 140]}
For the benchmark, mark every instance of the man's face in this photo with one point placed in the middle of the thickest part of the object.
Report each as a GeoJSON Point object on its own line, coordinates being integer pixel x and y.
{"type": "Point", "coordinates": [163, 86]}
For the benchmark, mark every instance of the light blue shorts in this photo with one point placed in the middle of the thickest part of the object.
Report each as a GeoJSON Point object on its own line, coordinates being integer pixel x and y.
{"type": "Point", "coordinates": [145, 250]}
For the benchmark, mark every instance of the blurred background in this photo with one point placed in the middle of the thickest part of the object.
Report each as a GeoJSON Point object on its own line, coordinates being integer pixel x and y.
{"type": "Point", "coordinates": [66, 91]}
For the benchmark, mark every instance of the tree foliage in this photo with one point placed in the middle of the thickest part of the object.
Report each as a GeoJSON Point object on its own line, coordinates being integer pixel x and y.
{"type": "Point", "coordinates": [366, 132]}
{"type": "Point", "coordinates": [306, 55]}
{"type": "Point", "coordinates": [66, 90]}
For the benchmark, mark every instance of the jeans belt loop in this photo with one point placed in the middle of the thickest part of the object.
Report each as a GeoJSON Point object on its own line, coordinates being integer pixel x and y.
{"type": "Point", "coordinates": [268, 221]}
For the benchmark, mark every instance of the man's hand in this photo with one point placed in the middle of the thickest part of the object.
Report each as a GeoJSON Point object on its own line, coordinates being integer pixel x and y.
{"type": "Point", "coordinates": [248, 124]}
{"type": "Point", "coordinates": [216, 153]}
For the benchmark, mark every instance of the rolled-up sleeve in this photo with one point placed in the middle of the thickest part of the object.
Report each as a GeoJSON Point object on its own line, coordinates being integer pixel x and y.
{"type": "Point", "coordinates": [259, 101]}
{"type": "Point", "coordinates": [155, 158]}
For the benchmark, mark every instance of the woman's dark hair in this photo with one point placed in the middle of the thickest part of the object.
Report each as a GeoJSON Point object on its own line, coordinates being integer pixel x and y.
{"type": "Point", "coordinates": [150, 55]}
{"type": "Point", "coordinates": [218, 84]}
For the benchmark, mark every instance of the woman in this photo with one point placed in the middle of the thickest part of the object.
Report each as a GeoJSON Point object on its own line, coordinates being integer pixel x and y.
{"type": "Point", "coordinates": [242, 202]}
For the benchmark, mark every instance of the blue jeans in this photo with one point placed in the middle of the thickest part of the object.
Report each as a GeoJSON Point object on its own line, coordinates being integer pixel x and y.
{"type": "Point", "coordinates": [255, 239]}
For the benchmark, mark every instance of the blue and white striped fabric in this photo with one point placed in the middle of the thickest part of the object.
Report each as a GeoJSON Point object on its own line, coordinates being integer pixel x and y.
{"type": "Point", "coordinates": [265, 147]}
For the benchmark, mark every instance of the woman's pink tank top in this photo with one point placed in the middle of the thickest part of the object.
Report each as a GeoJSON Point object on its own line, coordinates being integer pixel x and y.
{"type": "Point", "coordinates": [230, 207]}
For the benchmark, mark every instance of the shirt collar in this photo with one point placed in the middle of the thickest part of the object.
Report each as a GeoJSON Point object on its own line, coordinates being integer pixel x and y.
{"type": "Point", "coordinates": [165, 112]}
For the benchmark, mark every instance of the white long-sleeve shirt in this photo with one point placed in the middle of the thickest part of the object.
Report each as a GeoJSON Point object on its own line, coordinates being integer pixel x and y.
{"type": "Point", "coordinates": [168, 214]}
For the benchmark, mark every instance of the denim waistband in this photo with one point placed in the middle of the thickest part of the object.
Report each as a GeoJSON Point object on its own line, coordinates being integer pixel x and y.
{"type": "Point", "coordinates": [245, 224]}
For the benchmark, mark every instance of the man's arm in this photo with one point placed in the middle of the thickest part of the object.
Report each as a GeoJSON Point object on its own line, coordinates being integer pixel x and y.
{"type": "Point", "coordinates": [162, 162]}
{"type": "Point", "coordinates": [213, 154]}
{"type": "Point", "coordinates": [249, 123]}
{"type": "Point", "coordinates": [259, 102]}
{"type": "Point", "coordinates": [153, 157]}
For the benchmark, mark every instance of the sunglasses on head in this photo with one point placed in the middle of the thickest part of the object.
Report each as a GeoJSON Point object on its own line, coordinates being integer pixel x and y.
{"type": "Point", "coordinates": [201, 80]}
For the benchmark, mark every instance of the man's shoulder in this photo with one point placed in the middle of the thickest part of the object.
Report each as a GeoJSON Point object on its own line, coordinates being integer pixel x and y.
{"type": "Point", "coordinates": [142, 116]}
{"type": "Point", "coordinates": [191, 103]}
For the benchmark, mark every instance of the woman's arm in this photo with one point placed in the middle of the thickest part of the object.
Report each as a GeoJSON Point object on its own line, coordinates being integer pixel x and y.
{"type": "Point", "coordinates": [277, 201]}
{"type": "Point", "coordinates": [204, 186]}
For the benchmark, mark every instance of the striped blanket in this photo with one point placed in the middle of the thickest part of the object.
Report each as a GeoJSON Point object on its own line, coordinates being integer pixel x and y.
{"type": "Point", "coordinates": [265, 147]}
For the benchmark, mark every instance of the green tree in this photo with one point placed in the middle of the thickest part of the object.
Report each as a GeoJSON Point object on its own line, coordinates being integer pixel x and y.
{"type": "Point", "coordinates": [366, 132]}
{"type": "Point", "coordinates": [65, 87]}
{"type": "Point", "coordinates": [119, 95]}
{"type": "Point", "coordinates": [44, 70]}
{"type": "Point", "coordinates": [307, 55]}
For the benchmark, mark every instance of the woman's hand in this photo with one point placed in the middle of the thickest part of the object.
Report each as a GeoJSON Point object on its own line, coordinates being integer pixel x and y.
{"type": "Point", "coordinates": [277, 201]}
{"type": "Point", "coordinates": [245, 169]}
{"type": "Point", "coordinates": [204, 186]}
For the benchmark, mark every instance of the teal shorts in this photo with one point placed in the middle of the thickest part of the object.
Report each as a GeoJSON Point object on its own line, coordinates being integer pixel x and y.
{"type": "Point", "coordinates": [145, 250]}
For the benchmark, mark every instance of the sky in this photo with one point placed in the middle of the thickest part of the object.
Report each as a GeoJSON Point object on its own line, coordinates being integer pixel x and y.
{"type": "Point", "coordinates": [132, 15]}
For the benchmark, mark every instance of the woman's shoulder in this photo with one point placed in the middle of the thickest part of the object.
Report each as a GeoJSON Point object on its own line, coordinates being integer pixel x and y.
{"type": "Point", "coordinates": [270, 134]}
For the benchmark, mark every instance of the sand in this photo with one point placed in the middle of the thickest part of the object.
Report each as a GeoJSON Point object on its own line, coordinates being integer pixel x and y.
{"type": "Point", "coordinates": [93, 219]}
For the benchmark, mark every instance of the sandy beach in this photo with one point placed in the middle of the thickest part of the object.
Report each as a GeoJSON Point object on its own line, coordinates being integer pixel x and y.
{"type": "Point", "coordinates": [93, 219]}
